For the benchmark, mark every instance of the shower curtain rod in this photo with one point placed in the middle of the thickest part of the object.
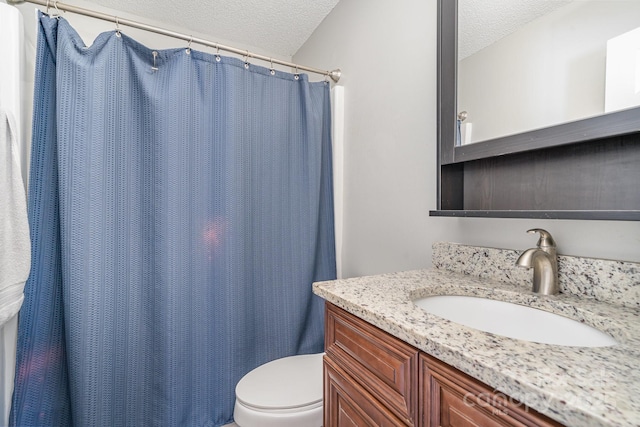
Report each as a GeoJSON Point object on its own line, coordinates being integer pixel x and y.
{"type": "Point", "coordinates": [334, 74]}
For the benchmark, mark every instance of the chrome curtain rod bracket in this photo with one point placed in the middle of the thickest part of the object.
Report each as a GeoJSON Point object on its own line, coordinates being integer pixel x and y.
{"type": "Point", "coordinates": [335, 74]}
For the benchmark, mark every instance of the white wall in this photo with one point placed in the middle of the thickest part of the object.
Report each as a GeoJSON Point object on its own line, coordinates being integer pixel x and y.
{"type": "Point", "coordinates": [549, 72]}
{"type": "Point", "coordinates": [387, 52]}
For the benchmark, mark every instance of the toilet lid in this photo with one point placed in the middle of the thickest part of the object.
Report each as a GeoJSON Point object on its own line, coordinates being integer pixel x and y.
{"type": "Point", "coordinates": [287, 383]}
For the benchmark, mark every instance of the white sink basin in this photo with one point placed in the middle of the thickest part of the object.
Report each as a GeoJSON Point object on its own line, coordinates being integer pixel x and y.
{"type": "Point", "coordinates": [515, 321]}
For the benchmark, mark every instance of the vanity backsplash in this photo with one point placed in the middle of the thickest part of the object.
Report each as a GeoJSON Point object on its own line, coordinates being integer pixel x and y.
{"type": "Point", "coordinates": [614, 282]}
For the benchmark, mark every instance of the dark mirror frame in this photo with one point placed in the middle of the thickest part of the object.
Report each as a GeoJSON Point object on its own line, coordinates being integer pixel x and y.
{"type": "Point", "coordinates": [586, 169]}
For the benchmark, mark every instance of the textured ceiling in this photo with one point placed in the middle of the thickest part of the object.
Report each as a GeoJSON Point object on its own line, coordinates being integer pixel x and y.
{"type": "Point", "coordinates": [483, 22]}
{"type": "Point", "coordinates": [278, 27]}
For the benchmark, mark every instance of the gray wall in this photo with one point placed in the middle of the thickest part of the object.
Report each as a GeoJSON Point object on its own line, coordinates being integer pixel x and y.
{"type": "Point", "coordinates": [387, 52]}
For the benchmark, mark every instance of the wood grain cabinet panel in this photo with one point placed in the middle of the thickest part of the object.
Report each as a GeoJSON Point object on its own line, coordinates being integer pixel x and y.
{"type": "Point", "coordinates": [383, 365]}
{"type": "Point", "coordinates": [450, 398]}
{"type": "Point", "coordinates": [347, 404]}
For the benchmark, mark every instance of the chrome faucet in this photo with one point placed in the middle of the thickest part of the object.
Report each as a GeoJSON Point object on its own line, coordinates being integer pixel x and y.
{"type": "Point", "coordinates": [544, 262]}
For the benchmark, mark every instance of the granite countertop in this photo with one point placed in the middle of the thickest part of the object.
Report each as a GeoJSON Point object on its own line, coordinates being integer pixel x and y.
{"type": "Point", "coordinates": [576, 386]}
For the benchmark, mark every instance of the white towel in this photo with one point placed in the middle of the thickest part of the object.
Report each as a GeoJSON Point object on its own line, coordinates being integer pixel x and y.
{"type": "Point", "coordinates": [15, 246]}
{"type": "Point", "coordinates": [15, 255]}
{"type": "Point", "coordinates": [12, 75]}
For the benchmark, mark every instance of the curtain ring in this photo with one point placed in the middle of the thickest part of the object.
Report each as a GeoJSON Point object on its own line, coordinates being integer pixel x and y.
{"type": "Point", "coordinates": [118, 28]}
{"type": "Point", "coordinates": [189, 45]}
{"type": "Point", "coordinates": [55, 5]}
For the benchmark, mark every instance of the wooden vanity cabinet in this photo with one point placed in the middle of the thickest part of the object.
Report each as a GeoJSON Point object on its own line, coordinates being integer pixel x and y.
{"type": "Point", "coordinates": [374, 379]}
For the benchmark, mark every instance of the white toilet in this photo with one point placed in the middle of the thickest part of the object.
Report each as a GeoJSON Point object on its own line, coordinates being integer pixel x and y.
{"type": "Point", "coordinates": [285, 392]}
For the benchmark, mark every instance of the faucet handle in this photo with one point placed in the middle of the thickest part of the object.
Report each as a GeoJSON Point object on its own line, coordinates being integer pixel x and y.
{"type": "Point", "coordinates": [545, 238]}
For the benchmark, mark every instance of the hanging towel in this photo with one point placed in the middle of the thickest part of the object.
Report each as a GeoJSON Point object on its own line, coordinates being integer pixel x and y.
{"type": "Point", "coordinates": [15, 246]}
{"type": "Point", "coordinates": [12, 74]}
{"type": "Point", "coordinates": [11, 70]}
{"type": "Point", "coordinates": [14, 240]}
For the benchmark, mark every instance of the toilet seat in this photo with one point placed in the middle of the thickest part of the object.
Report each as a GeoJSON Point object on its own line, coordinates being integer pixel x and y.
{"type": "Point", "coordinates": [285, 391]}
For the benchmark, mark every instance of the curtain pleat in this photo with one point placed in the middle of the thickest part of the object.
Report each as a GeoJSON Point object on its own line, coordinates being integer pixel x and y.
{"type": "Point", "coordinates": [178, 219]}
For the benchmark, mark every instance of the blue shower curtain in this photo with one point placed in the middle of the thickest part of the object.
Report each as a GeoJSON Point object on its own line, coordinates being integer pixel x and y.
{"type": "Point", "coordinates": [180, 208]}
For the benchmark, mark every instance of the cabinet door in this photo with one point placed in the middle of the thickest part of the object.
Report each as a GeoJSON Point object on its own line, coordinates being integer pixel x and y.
{"type": "Point", "coordinates": [346, 404]}
{"type": "Point", "coordinates": [450, 398]}
{"type": "Point", "coordinates": [383, 365]}
{"type": "Point", "coordinates": [456, 411]}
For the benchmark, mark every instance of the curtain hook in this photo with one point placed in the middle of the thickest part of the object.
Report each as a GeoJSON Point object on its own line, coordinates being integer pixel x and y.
{"type": "Point", "coordinates": [118, 28]}
{"type": "Point", "coordinates": [55, 5]}
{"type": "Point", "coordinates": [272, 70]}
{"type": "Point", "coordinates": [155, 55]}
{"type": "Point", "coordinates": [246, 60]}
{"type": "Point", "coordinates": [296, 76]}
{"type": "Point", "coordinates": [48, 7]}
{"type": "Point", "coordinates": [189, 45]}
{"type": "Point", "coordinates": [218, 52]}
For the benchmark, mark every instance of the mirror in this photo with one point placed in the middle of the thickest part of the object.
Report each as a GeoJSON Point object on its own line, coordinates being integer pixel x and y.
{"type": "Point", "coordinates": [583, 168]}
{"type": "Point", "coordinates": [530, 64]}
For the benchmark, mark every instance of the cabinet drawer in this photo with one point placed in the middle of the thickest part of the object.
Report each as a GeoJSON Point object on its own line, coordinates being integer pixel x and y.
{"type": "Point", "coordinates": [380, 363]}
{"type": "Point", "coordinates": [349, 405]}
